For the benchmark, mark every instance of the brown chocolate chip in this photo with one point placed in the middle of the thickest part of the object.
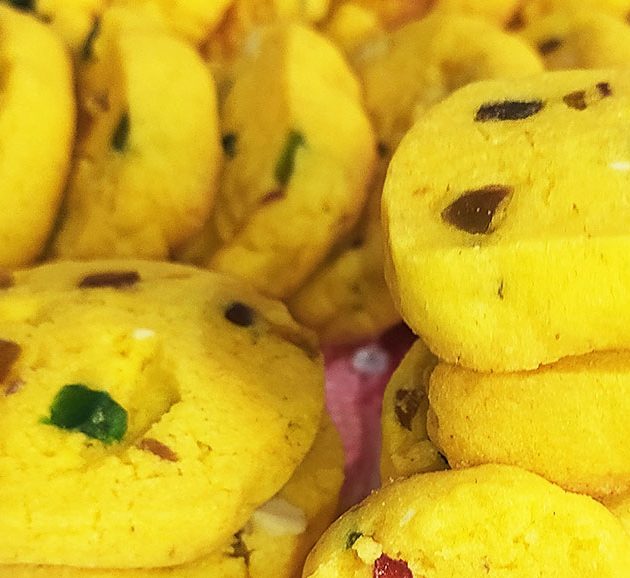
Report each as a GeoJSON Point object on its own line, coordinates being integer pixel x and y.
{"type": "Point", "coordinates": [474, 210]}
{"type": "Point", "coordinates": [115, 279]}
{"type": "Point", "coordinates": [158, 448]}
{"type": "Point", "coordinates": [9, 353]}
{"type": "Point", "coordinates": [272, 196]}
{"type": "Point", "coordinates": [604, 89]}
{"type": "Point", "coordinates": [6, 279]}
{"type": "Point", "coordinates": [508, 110]}
{"type": "Point", "coordinates": [239, 314]}
{"type": "Point", "coordinates": [549, 45]}
{"type": "Point", "coordinates": [407, 402]}
{"type": "Point", "coordinates": [576, 100]}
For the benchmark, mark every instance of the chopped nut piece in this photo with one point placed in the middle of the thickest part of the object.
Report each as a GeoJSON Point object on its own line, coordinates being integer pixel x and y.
{"type": "Point", "coordinates": [158, 448]}
{"type": "Point", "coordinates": [115, 279]}
{"type": "Point", "coordinates": [280, 518]}
{"type": "Point", "coordinates": [474, 210]}
{"type": "Point", "coordinates": [508, 110]}
{"type": "Point", "coordinates": [9, 354]}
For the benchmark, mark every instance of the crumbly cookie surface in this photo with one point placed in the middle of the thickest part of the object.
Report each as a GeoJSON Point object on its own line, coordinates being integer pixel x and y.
{"type": "Point", "coordinates": [494, 259]}
{"type": "Point", "coordinates": [489, 520]}
{"type": "Point", "coordinates": [222, 393]}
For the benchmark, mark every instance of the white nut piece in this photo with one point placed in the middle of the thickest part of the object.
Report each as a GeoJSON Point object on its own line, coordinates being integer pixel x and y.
{"type": "Point", "coordinates": [280, 518]}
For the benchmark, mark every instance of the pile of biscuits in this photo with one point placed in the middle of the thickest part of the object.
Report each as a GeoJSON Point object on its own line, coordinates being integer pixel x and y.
{"type": "Point", "coordinates": [222, 187]}
{"type": "Point", "coordinates": [505, 212]}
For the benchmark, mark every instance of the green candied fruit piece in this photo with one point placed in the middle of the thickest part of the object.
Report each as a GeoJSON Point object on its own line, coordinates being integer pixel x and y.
{"type": "Point", "coordinates": [286, 160]}
{"type": "Point", "coordinates": [77, 407]}
{"type": "Point", "coordinates": [351, 538]}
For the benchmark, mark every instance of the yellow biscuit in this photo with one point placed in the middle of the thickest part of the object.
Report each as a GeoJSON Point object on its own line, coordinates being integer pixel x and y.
{"type": "Point", "coordinates": [424, 61]}
{"type": "Point", "coordinates": [206, 371]}
{"type": "Point", "coordinates": [193, 20]}
{"type": "Point", "coordinates": [582, 39]}
{"type": "Point", "coordinates": [564, 421]}
{"type": "Point", "coordinates": [490, 520]}
{"type": "Point", "coordinates": [497, 12]}
{"type": "Point", "coordinates": [347, 299]}
{"type": "Point", "coordinates": [148, 153]}
{"type": "Point", "coordinates": [299, 153]}
{"type": "Point", "coordinates": [36, 136]}
{"type": "Point", "coordinates": [406, 448]}
{"type": "Point", "coordinates": [503, 219]}
{"type": "Point", "coordinates": [273, 543]}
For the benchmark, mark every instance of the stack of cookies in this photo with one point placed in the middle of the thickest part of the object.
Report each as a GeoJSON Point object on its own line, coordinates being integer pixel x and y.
{"type": "Point", "coordinates": [505, 212]}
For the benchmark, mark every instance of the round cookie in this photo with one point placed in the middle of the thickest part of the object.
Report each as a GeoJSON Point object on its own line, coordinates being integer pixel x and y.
{"type": "Point", "coordinates": [580, 39]}
{"type": "Point", "coordinates": [193, 20]}
{"type": "Point", "coordinates": [490, 520]}
{"type": "Point", "coordinates": [36, 140]}
{"type": "Point", "coordinates": [347, 300]}
{"type": "Point", "coordinates": [406, 448]}
{"type": "Point", "coordinates": [71, 20]}
{"type": "Point", "coordinates": [148, 153]}
{"type": "Point", "coordinates": [275, 540]}
{"type": "Point", "coordinates": [202, 370]}
{"type": "Point", "coordinates": [566, 421]}
{"type": "Point", "coordinates": [498, 238]}
{"type": "Point", "coordinates": [299, 152]}
{"type": "Point", "coordinates": [416, 66]}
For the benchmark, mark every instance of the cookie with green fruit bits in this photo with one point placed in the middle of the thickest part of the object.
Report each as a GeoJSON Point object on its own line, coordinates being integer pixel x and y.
{"type": "Point", "coordinates": [471, 247]}
{"type": "Point", "coordinates": [488, 520]}
{"type": "Point", "coordinates": [299, 150]}
{"type": "Point", "coordinates": [148, 405]}
{"type": "Point", "coordinates": [148, 153]}
{"type": "Point", "coordinates": [274, 541]}
{"type": "Point", "coordinates": [36, 138]}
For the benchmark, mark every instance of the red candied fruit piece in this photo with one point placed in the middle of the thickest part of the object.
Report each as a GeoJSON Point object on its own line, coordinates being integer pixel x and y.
{"type": "Point", "coordinates": [386, 567]}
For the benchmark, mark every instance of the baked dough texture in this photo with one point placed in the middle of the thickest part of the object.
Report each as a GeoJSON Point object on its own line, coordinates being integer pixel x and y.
{"type": "Point", "coordinates": [223, 394]}
{"type": "Point", "coordinates": [504, 250]}
{"type": "Point", "coordinates": [489, 520]}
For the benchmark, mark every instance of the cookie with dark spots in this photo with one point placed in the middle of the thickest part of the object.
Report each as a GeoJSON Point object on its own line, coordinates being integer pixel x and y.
{"type": "Point", "coordinates": [505, 211]}
{"type": "Point", "coordinates": [127, 386]}
{"type": "Point", "coordinates": [406, 448]}
{"type": "Point", "coordinates": [484, 520]}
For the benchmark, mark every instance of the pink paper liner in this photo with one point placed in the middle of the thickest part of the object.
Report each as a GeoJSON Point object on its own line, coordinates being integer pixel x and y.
{"type": "Point", "coordinates": [356, 377]}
